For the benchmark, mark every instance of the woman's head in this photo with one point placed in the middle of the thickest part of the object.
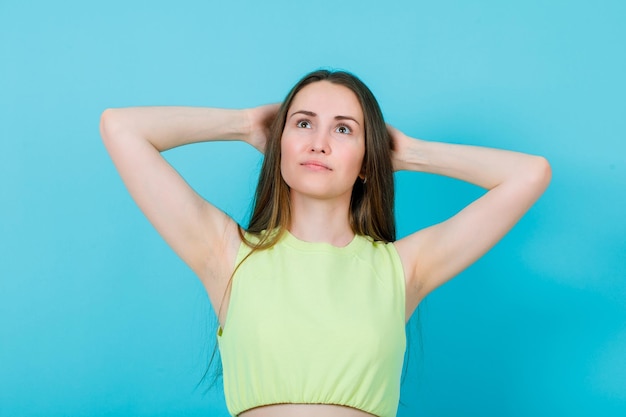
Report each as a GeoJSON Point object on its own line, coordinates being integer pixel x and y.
{"type": "Point", "coordinates": [322, 145]}
{"type": "Point", "coordinates": [372, 196]}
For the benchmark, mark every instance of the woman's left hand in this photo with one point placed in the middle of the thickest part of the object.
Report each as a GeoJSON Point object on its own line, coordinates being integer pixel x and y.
{"type": "Point", "coordinates": [400, 146]}
{"type": "Point", "coordinates": [259, 122]}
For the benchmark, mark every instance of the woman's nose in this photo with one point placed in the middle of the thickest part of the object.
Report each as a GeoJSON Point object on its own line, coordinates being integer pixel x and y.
{"type": "Point", "coordinates": [320, 143]}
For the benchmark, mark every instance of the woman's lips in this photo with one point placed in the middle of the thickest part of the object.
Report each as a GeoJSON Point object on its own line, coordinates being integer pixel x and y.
{"type": "Point", "coordinates": [316, 165]}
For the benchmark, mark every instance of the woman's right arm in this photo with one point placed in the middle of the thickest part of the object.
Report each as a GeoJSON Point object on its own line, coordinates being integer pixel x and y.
{"type": "Point", "coordinates": [202, 235]}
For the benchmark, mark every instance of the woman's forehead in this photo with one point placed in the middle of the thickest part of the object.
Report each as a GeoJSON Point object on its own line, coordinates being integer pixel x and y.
{"type": "Point", "coordinates": [327, 99]}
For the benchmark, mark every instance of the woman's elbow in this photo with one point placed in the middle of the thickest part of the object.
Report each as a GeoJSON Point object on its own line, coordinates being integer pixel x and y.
{"type": "Point", "coordinates": [109, 124]}
{"type": "Point", "coordinates": [116, 127]}
{"type": "Point", "coordinates": [540, 173]}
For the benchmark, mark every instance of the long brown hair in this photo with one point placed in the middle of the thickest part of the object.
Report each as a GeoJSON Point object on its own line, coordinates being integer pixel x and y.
{"type": "Point", "coordinates": [372, 201]}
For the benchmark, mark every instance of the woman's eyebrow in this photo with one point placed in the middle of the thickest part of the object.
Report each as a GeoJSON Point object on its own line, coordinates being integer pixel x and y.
{"type": "Point", "coordinates": [347, 118]}
{"type": "Point", "coordinates": [305, 112]}
{"type": "Point", "coordinates": [313, 114]}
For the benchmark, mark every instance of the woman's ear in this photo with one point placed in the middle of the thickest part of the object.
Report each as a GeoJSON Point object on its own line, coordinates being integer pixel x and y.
{"type": "Point", "coordinates": [362, 175]}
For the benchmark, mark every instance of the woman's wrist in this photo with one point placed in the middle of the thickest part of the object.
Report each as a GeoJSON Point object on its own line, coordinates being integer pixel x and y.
{"type": "Point", "coordinates": [227, 124]}
{"type": "Point", "coordinates": [247, 126]}
{"type": "Point", "coordinates": [409, 154]}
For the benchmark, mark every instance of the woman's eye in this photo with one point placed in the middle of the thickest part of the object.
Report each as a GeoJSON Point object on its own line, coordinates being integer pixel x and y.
{"type": "Point", "coordinates": [344, 129]}
{"type": "Point", "coordinates": [305, 124]}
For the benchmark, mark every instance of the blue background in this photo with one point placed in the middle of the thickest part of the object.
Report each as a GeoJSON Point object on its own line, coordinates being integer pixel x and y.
{"type": "Point", "coordinates": [98, 317]}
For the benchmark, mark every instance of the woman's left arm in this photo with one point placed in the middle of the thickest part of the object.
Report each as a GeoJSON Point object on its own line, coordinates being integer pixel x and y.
{"type": "Point", "coordinates": [514, 182]}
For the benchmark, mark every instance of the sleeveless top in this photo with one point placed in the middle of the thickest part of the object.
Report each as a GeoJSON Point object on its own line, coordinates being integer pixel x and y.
{"type": "Point", "coordinates": [311, 323]}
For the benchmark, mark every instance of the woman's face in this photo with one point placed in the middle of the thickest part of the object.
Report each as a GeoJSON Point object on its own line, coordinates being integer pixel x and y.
{"type": "Point", "coordinates": [323, 143]}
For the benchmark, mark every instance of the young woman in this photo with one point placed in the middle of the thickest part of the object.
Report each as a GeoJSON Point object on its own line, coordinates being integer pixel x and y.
{"type": "Point", "coordinates": [312, 298]}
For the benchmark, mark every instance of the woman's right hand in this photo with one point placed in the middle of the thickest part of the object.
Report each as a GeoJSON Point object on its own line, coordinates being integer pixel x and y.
{"type": "Point", "coordinates": [259, 122]}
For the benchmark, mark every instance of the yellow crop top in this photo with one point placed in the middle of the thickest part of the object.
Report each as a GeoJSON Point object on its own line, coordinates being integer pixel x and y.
{"type": "Point", "coordinates": [311, 323]}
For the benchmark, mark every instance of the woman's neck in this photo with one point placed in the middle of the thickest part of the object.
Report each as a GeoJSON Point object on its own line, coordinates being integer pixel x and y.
{"type": "Point", "coordinates": [326, 221]}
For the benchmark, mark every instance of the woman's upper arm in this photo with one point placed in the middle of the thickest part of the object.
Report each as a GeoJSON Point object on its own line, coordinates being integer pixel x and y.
{"type": "Point", "coordinates": [202, 235]}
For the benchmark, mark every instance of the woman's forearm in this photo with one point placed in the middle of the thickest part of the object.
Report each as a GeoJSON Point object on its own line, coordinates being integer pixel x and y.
{"type": "Point", "coordinates": [169, 127]}
{"type": "Point", "coordinates": [485, 167]}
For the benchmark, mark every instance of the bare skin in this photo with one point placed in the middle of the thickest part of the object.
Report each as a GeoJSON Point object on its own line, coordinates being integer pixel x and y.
{"type": "Point", "coordinates": [207, 239]}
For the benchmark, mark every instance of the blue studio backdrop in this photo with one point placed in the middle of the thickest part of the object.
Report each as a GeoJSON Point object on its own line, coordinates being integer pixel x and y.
{"type": "Point", "coordinates": [98, 317]}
